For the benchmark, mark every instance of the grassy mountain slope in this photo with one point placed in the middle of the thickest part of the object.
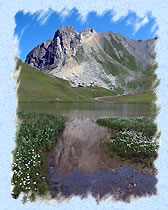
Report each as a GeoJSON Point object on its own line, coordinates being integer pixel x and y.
{"type": "Point", "coordinates": [36, 86]}
{"type": "Point", "coordinates": [144, 97]}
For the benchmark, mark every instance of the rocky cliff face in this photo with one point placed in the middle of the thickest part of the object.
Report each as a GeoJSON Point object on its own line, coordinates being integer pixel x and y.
{"type": "Point", "coordinates": [89, 58]}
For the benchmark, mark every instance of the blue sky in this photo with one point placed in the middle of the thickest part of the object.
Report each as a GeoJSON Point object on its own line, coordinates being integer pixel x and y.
{"type": "Point", "coordinates": [32, 29]}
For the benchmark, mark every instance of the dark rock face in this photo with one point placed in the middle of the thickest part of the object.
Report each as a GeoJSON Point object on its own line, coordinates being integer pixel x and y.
{"type": "Point", "coordinates": [53, 53]}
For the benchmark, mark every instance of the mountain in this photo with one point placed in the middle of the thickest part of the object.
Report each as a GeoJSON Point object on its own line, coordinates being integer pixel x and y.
{"type": "Point", "coordinates": [37, 86]}
{"type": "Point", "coordinates": [106, 60]}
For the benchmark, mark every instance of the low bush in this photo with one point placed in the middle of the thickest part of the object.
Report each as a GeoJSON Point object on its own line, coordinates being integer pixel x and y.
{"type": "Point", "coordinates": [35, 136]}
{"type": "Point", "coordinates": [132, 138]}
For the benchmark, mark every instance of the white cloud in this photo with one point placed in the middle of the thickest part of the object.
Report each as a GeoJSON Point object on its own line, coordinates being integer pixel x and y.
{"type": "Point", "coordinates": [118, 16]}
{"type": "Point", "coordinates": [154, 27]}
{"type": "Point", "coordinates": [23, 30]}
{"type": "Point", "coordinates": [43, 16]}
{"type": "Point", "coordinates": [65, 12]}
{"type": "Point", "coordinates": [140, 23]}
{"type": "Point", "coordinates": [131, 21]}
{"type": "Point", "coordinates": [137, 23]}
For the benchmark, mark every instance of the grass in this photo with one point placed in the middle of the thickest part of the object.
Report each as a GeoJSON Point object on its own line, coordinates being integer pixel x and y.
{"type": "Point", "coordinates": [35, 136]}
{"type": "Point", "coordinates": [110, 68]}
{"type": "Point", "coordinates": [132, 138]}
{"type": "Point", "coordinates": [118, 90]}
{"type": "Point", "coordinates": [131, 63]}
{"type": "Point", "coordinates": [79, 55]}
{"type": "Point", "coordinates": [140, 124]}
{"type": "Point", "coordinates": [109, 50]}
{"type": "Point", "coordinates": [36, 86]}
{"type": "Point", "coordinates": [145, 97]}
{"type": "Point", "coordinates": [114, 69]}
{"type": "Point", "coordinates": [147, 81]}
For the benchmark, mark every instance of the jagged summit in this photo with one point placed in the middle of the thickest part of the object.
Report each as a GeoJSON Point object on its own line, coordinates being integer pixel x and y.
{"type": "Point", "coordinates": [70, 30]}
{"type": "Point", "coordinates": [88, 31]}
{"type": "Point", "coordinates": [50, 53]}
{"type": "Point", "coordinates": [105, 59]}
{"type": "Point", "coordinates": [65, 30]}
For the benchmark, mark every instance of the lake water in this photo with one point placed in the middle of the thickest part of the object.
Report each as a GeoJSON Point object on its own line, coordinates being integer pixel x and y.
{"type": "Point", "coordinates": [125, 185]}
{"type": "Point", "coordinates": [75, 164]}
{"type": "Point", "coordinates": [91, 110]}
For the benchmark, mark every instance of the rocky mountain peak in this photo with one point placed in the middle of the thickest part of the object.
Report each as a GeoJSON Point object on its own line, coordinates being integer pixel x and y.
{"type": "Point", "coordinates": [89, 58]}
{"type": "Point", "coordinates": [53, 53]}
{"type": "Point", "coordinates": [88, 31]}
{"type": "Point", "coordinates": [65, 31]}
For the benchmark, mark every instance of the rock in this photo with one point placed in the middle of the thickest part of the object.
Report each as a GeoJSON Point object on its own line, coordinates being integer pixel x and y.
{"type": "Point", "coordinates": [83, 58]}
{"type": "Point", "coordinates": [114, 171]}
{"type": "Point", "coordinates": [132, 184]}
{"type": "Point", "coordinates": [53, 53]}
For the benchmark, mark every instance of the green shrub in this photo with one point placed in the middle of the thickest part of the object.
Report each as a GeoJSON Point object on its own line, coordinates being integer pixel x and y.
{"type": "Point", "coordinates": [35, 137]}
{"type": "Point", "coordinates": [131, 138]}
{"type": "Point", "coordinates": [133, 145]}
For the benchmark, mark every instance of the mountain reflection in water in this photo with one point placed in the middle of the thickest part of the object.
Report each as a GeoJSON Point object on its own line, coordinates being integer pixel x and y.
{"type": "Point", "coordinates": [77, 167]}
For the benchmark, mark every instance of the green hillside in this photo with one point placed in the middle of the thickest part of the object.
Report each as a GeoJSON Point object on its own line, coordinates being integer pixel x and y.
{"type": "Point", "coordinates": [143, 97]}
{"type": "Point", "coordinates": [36, 86]}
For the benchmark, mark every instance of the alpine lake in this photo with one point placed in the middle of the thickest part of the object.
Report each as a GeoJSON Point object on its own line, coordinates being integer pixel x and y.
{"type": "Point", "coordinates": [76, 166]}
